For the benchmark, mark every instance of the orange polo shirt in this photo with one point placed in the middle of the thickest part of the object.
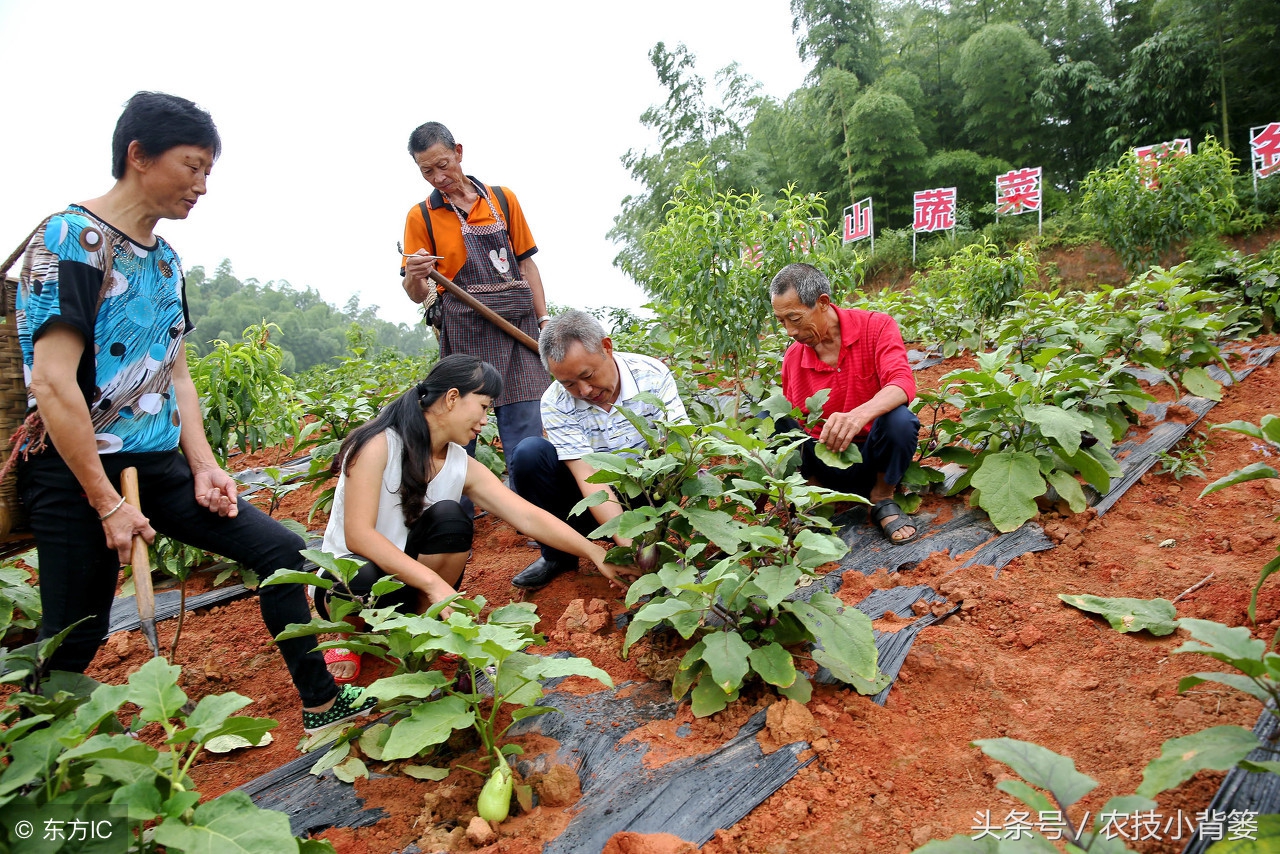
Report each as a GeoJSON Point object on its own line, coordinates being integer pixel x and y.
{"type": "Point", "coordinates": [448, 233]}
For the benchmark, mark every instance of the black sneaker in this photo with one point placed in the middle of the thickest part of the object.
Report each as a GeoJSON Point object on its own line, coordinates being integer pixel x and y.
{"type": "Point", "coordinates": [346, 707]}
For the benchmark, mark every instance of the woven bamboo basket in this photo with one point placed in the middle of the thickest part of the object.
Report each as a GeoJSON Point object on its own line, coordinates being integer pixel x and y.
{"type": "Point", "coordinates": [13, 406]}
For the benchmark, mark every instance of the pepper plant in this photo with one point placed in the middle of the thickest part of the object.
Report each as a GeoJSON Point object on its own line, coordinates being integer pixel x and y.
{"type": "Point", "coordinates": [334, 401]}
{"type": "Point", "coordinates": [734, 531]}
{"type": "Point", "coordinates": [246, 400]}
{"type": "Point", "coordinates": [1161, 322]}
{"type": "Point", "coordinates": [424, 704]}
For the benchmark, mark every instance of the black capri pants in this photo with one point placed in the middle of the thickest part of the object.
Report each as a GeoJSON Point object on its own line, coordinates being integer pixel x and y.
{"type": "Point", "coordinates": [443, 528]}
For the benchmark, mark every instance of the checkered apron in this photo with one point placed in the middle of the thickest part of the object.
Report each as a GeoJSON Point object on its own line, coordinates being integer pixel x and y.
{"type": "Point", "coordinates": [491, 275]}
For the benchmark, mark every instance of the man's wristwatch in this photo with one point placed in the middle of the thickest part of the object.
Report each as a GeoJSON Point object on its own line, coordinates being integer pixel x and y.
{"type": "Point", "coordinates": [543, 319]}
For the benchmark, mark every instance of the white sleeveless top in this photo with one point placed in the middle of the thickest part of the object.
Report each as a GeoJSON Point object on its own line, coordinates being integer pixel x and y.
{"type": "Point", "coordinates": [445, 486]}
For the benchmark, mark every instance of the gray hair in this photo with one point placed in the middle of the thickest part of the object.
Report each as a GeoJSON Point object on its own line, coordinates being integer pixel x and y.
{"type": "Point", "coordinates": [426, 135]}
{"type": "Point", "coordinates": [805, 279]}
{"type": "Point", "coordinates": [563, 330]}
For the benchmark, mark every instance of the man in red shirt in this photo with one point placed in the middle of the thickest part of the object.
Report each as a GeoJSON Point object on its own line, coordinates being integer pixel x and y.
{"type": "Point", "coordinates": [858, 355]}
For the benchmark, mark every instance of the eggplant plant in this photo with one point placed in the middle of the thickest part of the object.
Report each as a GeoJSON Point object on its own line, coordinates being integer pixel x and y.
{"type": "Point", "coordinates": [64, 754]}
{"type": "Point", "coordinates": [734, 531]}
{"type": "Point", "coordinates": [424, 705]}
{"type": "Point", "coordinates": [1024, 426]}
{"type": "Point", "coordinates": [1058, 785]}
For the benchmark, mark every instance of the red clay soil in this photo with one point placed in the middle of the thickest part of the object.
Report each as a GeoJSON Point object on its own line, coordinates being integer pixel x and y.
{"type": "Point", "coordinates": [1014, 662]}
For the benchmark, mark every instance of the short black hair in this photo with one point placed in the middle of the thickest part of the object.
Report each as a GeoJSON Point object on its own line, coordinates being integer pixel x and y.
{"type": "Point", "coordinates": [160, 122]}
{"type": "Point", "coordinates": [426, 135]}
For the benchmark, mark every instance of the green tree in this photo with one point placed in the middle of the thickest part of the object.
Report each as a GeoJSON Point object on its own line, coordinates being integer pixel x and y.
{"type": "Point", "coordinates": [998, 71]}
{"type": "Point", "coordinates": [887, 154]}
{"type": "Point", "coordinates": [706, 268]}
{"type": "Point", "coordinates": [1078, 102]}
{"type": "Point", "coordinates": [1078, 32]}
{"type": "Point", "coordinates": [924, 40]}
{"type": "Point", "coordinates": [838, 34]}
{"type": "Point", "coordinates": [1167, 91]}
{"type": "Point", "coordinates": [690, 129]}
{"type": "Point", "coordinates": [973, 176]}
{"type": "Point", "coordinates": [906, 85]}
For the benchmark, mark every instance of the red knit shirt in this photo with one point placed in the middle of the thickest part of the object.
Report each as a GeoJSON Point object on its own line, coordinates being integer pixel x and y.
{"type": "Point", "coordinates": [872, 356]}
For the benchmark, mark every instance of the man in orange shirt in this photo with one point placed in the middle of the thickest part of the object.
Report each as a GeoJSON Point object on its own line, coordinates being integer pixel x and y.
{"type": "Point", "coordinates": [477, 236]}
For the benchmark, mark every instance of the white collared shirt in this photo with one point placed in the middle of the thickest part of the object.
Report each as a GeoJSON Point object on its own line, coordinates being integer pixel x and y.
{"type": "Point", "coordinates": [577, 428]}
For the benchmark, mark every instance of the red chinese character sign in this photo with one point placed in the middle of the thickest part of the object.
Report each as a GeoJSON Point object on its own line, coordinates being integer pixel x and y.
{"type": "Point", "coordinates": [1149, 156]}
{"type": "Point", "coordinates": [859, 222]}
{"type": "Point", "coordinates": [1264, 143]}
{"type": "Point", "coordinates": [1018, 192]}
{"type": "Point", "coordinates": [935, 210]}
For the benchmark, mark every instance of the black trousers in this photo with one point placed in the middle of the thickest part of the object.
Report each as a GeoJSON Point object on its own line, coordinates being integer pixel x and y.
{"type": "Point", "coordinates": [538, 476]}
{"type": "Point", "coordinates": [887, 450]}
{"type": "Point", "coordinates": [443, 528]}
{"type": "Point", "coordinates": [78, 572]}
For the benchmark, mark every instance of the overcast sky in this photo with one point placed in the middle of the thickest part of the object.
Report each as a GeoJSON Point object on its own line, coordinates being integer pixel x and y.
{"type": "Point", "coordinates": [315, 102]}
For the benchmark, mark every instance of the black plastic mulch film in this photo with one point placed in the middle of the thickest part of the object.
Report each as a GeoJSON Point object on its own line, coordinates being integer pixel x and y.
{"type": "Point", "coordinates": [692, 797]}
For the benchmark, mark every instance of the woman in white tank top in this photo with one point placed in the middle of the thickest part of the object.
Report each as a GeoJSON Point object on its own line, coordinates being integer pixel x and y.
{"type": "Point", "coordinates": [399, 480]}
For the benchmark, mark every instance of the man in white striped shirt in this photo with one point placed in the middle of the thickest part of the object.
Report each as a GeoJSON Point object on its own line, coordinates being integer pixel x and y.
{"type": "Point", "coordinates": [580, 415]}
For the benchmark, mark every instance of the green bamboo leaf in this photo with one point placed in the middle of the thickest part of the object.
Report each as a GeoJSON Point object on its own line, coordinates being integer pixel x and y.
{"type": "Point", "coordinates": [1157, 616]}
{"type": "Point", "coordinates": [1008, 483]}
{"type": "Point", "coordinates": [1217, 748]}
{"type": "Point", "coordinates": [1041, 767]}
